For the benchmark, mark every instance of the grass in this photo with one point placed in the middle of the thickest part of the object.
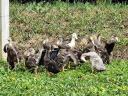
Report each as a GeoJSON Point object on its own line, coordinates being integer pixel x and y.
{"type": "Point", "coordinates": [73, 82]}
{"type": "Point", "coordinates": [31, 22]}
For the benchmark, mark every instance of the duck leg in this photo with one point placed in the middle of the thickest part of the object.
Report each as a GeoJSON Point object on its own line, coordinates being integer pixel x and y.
{"type": "Point", "coordinates": [66, 59]}
{"type": "Point", "coordinates": [8, 66]}
{"type": "Point", "coordinates": [12, 65]}
{"type": "Point", "coordinates": [35, 70]}
{"type": "Point", "coordinates": [72, 56]}
{"type": "Point", "coordinates": [50, 73]}
{"type": "Point", "coordinates": [92, 68]}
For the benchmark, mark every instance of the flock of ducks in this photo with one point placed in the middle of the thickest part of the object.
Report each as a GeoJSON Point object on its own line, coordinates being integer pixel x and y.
{"type": "Point", "coordinates": [56, 55]}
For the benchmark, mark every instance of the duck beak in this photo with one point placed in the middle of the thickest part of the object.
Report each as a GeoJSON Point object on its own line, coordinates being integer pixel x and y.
{"type": "Point", "coordinates": [77, 39]}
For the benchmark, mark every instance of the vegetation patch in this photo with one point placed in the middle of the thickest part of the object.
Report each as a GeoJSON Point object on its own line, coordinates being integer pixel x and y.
{"type": "Point", "coordinates": [79, 81]}
{"type": "Point", "coordinates": [30, 23]}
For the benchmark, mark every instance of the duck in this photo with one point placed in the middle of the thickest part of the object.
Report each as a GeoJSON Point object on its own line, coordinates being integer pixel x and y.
{"type": "Point", "coordinates": [99, 44]}
{"type": "Point", "coordinates": [41, 57]}
{"type": "Point", "coordinates": [13, 54]}
{"type": "Point", "coordinates": [84, 45]}
{"type": "Point", "coordinates": [46, 45]}
{"type": "Point", "coordinates": [72, 43]}
{"type": "Point", "coordinates": [110, 44]}
{"type": "Point", "coordinates": [32, 60]}
{"type": "Point", "coordinates": [105, 47]}
{"type": "Point", "coordinates": [56, 59]}
{"type": "Point", "coordinates": [96, 61]}
{"type": "Point", "coordinates": [66, 44]}
{"type": "Point", "coordinates": [49, 63]}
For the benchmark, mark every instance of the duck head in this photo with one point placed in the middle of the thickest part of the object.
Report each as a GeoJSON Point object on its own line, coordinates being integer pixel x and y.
{"type": "Point", "coordinates": [74, 35]}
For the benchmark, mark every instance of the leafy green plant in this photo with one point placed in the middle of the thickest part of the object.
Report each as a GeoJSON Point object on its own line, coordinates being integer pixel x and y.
{"type": "Point", "coordinates": [79, 81]}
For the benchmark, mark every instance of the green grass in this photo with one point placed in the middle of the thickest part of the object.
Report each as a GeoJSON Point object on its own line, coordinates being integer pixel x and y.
{"type": "Point", "coordinates": [30, 23]}
{"type": "Point", "coordinates": [73, 82]}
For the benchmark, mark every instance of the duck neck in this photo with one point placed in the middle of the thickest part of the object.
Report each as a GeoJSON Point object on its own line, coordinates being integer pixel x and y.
{"type": "Point", "coordinates": [46, 54]}
{"type": "Point", "coordinates": [10, 43]}
{"type": "Point", "coordinates": [72, 42]}
{"type": "Point", "coordinates": [60, 41]}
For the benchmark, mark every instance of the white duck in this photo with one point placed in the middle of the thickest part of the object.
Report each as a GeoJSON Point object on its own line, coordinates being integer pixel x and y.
{"type": "Point", "coordinates": [72, 43]}
{"type": "Point", "coordinates": [96, 61]}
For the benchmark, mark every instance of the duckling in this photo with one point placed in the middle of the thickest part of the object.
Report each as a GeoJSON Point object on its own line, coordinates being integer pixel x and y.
{"type": "Point", "coordinates": [13, 54]}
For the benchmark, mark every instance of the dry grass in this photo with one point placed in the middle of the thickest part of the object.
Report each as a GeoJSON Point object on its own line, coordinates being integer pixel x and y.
{"type": "Point", "coordinates": [32, 22]}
